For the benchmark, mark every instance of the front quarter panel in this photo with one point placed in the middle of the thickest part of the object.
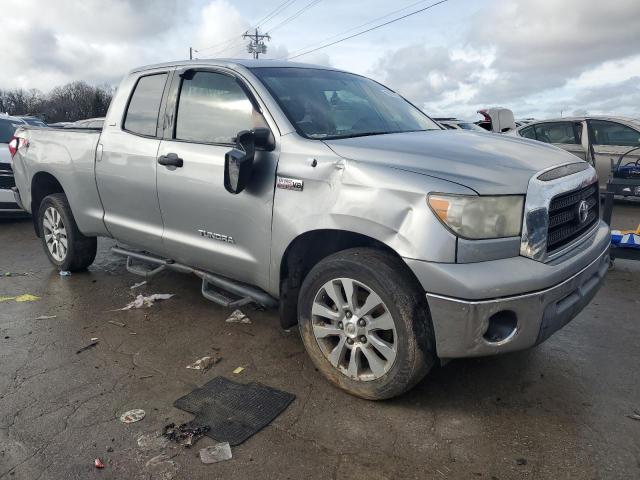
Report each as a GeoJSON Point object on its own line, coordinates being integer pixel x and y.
{"type": "Point", "coordinates": [380, 202]}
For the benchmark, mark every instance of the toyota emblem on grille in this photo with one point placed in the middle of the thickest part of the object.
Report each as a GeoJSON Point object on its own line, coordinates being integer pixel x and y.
{"type": "Point", "coordinates": [583, 211]}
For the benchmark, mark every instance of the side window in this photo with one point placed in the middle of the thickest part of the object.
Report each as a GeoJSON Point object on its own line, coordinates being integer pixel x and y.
{"type": "Point", "coordinates": [213, 108]}
{"type": "Point", "coordinates": [615, 134]}
{"type": "Point", "coordinates": [528, 132]}
{"type": "Point", "coordinates": [556, 132]}
{"type": "Point", "coordinates": [144, 106]}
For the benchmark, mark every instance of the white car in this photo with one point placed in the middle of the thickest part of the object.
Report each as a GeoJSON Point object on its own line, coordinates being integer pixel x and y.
{"type": "Point", "coordinates": [8, 205]}
{"type": "Point", "coordinates": [609, 137]}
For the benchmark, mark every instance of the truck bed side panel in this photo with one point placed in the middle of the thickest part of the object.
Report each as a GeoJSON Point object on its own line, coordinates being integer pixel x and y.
{"type": "Point", "coordinates": [69, 156]}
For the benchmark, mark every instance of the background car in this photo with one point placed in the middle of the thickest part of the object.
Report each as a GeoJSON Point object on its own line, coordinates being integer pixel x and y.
{"type": "Point", "coordinates": [610, 137]}
{"type": "Point", "coordinates": [456, 124]}
{"type": "Point", "coordinates": [8, 205]}
{"type": "Point", "coordinates": [31, 120]}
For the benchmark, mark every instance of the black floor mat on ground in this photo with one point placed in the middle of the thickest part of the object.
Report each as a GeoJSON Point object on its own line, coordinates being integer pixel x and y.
{"type": "Point", "coordinates": [234, 411]}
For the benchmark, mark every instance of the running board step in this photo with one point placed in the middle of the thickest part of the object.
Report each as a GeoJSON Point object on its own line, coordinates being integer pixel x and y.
{"type": "Point", "coordinates": [212, 285]}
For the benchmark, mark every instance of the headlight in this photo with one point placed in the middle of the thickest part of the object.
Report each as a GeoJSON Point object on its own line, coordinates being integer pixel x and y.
{"type": "Point", "coordinates": [477, 217]}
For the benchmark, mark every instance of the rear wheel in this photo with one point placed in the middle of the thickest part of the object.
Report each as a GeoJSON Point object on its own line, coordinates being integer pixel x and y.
{"type": "Point", "coordinates": [66, 247]}
{"type": "Point", "coordinates": [365, 323]}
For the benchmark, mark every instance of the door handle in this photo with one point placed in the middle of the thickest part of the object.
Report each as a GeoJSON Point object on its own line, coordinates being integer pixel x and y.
{"type": "Point", "coordinates": [170, 160]}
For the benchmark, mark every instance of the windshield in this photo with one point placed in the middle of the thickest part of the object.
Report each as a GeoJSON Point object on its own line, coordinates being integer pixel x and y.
{"type": "Point", "coordinates": [7, 128]}
{"type": "Point", "coordinates": [325, 104]}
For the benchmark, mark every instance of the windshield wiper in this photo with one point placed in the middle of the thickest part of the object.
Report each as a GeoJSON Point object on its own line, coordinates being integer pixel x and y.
{"type": "Point", "coordinates": [368, 134]}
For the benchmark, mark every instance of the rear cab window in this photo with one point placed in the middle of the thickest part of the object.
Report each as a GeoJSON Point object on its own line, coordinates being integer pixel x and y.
{"type": "Point", "coordinates": [143, 110]}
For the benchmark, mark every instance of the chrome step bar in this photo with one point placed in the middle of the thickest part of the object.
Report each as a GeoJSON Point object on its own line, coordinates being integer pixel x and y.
{"type": "Point", "coordinates": [213, 285]}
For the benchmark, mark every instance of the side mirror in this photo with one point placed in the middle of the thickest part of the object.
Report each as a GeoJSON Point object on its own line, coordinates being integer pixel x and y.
{"type": "Point", "coordinates": [238, 162]}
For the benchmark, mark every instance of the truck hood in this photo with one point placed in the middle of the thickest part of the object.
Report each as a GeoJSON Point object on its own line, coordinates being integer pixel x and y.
{"type": "Point", "coordinates": [490, 164]}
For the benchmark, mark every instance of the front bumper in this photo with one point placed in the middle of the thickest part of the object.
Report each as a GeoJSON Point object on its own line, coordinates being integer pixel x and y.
{"type": "Point", "coordinates": [461, 325]}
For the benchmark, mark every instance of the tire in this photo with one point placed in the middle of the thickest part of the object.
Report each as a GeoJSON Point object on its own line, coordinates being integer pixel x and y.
{"type": "Point", "coordinates": [390, 356]}
{"type": "Point", "coordinates": [56, 223]}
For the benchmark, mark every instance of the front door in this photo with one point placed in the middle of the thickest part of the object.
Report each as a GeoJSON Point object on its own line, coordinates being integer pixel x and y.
{"type": "Point", "coordinates": [566, 135]}
{"type": "Point", "coordinates": [610, 140]}
{"type": "Point", "coordinates": [126, 166]}
{"type": "Point", "coordinates": [204, 225]}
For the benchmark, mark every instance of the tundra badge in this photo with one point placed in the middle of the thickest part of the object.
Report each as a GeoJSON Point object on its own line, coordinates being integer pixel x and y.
{"type": "Point", "coordinates": [287, 183]}
{"type": "Point", "coordinates": [216, 236]}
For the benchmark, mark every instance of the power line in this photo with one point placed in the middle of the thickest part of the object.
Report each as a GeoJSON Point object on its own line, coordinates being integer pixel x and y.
{"type": "Point", "coordinates": [387, 15]}
{"type": "Point", "coordinates": [311, 4]}
{"type": "Point", "coordinates": [227, 43]}
{"type": "Point", "coordinates": [275, 12]}
{"type": "Point", "coordinates": [368, 30]}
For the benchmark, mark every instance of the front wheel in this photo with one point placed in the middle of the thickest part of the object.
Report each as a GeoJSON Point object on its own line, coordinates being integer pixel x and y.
{"type": "Point", "coordinates": [66, 247]}
{"type": "Point", "coordinates": [365, 323]}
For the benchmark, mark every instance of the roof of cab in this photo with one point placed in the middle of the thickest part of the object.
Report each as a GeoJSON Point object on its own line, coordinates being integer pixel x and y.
{"type": "Point", "coordinates": [233, 63]}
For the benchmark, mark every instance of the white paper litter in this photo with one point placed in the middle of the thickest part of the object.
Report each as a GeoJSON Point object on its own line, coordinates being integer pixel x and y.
{"type": "Point", "coordinates": [203, 363]}
{"type": "Point", "coordinates": [147, 301]}
{"type": "Point", "coordinates": [132, 416]}
{"type": "Point", "coordinates": [46, 317]}
{"type": "Point", "coordinates": [136, 285]}
{"type": "Point", "coordinates": [216, 453]}
{"type": "Point", "coordinates": [238, 317]}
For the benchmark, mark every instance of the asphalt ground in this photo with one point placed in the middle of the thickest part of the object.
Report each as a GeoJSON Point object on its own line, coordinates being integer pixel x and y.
{"type": "Point", "coordinates": [558, 411]}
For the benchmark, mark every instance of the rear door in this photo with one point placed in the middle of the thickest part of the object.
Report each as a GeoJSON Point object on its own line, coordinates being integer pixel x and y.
{"type": "Point", "coordinates": [204, 225]}
{"type": "Point", "coordinates": [126, 165]}
{"type": "Point", "coordinates": [610, 140]}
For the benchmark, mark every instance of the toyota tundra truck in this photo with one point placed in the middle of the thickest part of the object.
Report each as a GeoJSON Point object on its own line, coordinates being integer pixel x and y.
{"type": "Point", "coordinates": [393, 244]}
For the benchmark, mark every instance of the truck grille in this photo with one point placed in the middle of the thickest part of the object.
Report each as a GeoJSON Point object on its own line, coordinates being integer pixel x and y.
{"type": "Point", "coordinates": [6, 176]}
{"type": "Point", "coordinates": [565, 222]}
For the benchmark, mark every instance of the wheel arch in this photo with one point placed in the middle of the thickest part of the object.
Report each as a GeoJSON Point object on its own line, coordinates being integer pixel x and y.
{"type": "Point", "coordinates": [305, 251]}
{"type": "Point", "coordinates": [42, 184]}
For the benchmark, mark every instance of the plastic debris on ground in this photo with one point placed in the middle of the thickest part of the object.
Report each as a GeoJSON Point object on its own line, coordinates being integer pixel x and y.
{"type": "Point", "coordinates": [238, 317]}
{"type": "Point", "coordinates": [216, 453]}
{"type": "Point", "coordinates": [98, 463]}
{"type": "Point", "coordinates": [26, 297]}
{"type": "Point", "coordinates": [132, 416]}
{"type": "Point", "coordinates": [146, 301]}
{"type": "Point", "coordinates": [16, 274]}
{"type": "Point", "coordinates": [65, 273]}
{"type": "Point", "coordinates": [186, 434]}
{"type": "Point", "coordinates": [117, 324]}
{"type": "Point", "coordinates": [238, 370]}
{"type": "Point", "coordinates": [46, 317]}
{"type": "Point", "coordinates": [152, 441]}
{"type": "Point", "coordinates": [137, 285]}
{"type": "Point", "coordinates": [635, 415]}
{"type": "Point", "coordinates": [204, 363]}
{"type": "Point", "coordinates": [161, 467]}
{"type": "Point", "coordinates": [93, 343]}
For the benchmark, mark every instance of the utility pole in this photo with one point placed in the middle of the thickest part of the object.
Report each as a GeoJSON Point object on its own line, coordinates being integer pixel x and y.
{"type": "Point", "coordinates": [190, 53]}
{"type": "Point", "coordinates": [256, 44]}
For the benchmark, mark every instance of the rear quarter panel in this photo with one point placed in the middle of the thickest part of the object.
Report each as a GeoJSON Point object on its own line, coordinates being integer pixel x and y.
{"type": "Point", "coordinates": [69, 156]}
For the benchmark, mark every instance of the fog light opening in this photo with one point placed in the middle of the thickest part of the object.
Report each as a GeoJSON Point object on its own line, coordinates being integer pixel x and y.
{"type": "Point", "coordinates": [502, 325]}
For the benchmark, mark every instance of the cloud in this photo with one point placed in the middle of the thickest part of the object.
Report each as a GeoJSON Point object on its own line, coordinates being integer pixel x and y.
{"type": "Point", "coordinates": [535, 57]}
{"type": "Point", "coordinates": [51, 43]}
{"type": "Point", "coordinates": [541, 45]}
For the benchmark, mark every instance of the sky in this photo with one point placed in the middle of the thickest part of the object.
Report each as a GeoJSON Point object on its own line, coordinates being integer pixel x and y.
{"type": "Point", "coordinates": [542, 58]}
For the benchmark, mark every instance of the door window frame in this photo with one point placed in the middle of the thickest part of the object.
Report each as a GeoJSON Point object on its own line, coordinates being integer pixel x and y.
{"type": "Point", "coordinates": [161, 107]}
{"type": "Point", "coordinates": [173, 100]}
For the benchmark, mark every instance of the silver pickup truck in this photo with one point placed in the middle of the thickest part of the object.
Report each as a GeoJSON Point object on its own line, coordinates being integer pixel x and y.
{"type": "Point", "coordinates": [391, 242]}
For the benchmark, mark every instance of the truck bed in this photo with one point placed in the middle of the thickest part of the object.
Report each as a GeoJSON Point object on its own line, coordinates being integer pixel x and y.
{"type": "Point", "coordinates": [68, 155]}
